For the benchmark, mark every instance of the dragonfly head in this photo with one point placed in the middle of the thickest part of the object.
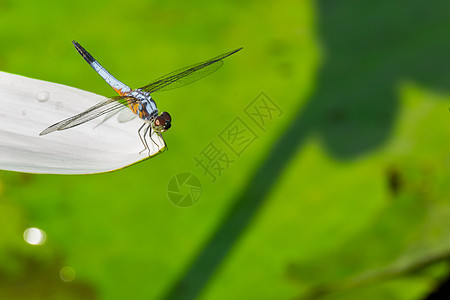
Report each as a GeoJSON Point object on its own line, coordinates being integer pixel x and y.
{"type": "Point", "coordinates": [162, 122]}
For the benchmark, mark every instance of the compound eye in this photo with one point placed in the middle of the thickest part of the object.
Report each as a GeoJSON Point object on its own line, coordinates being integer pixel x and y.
{"type": "Point", "coordinates": [159, 121]}
{"type": "Point", "coordinates": [166, 116]}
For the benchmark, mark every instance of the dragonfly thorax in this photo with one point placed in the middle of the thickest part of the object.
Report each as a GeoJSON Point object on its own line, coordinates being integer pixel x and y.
{"type": "Point", "coordinates": [142, 104]}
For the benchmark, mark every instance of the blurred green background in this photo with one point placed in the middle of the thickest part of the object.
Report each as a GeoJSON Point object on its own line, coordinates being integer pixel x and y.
{"type": "Point", "coordinates": [345, 195]}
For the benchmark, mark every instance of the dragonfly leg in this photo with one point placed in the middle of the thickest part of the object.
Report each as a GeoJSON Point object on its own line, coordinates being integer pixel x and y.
{"type": "Point", "coordinates": [148, 129]}
{"type": "Point", "coordinates": [142, 137]}
{"type": "Point", "coordinates": [150, 135]}
{"type": "Point", "coordinates": [165, 145]}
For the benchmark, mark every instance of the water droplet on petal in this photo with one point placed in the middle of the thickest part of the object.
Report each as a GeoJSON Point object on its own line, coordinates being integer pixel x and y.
{"type": "Point", "coordinates": [43, 96]}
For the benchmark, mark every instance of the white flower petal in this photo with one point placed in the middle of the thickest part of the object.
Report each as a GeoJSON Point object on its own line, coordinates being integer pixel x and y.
{"type": "Point", "coordinates": [28, 106]}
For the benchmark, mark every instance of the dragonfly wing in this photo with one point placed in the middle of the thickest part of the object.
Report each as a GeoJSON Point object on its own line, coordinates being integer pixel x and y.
{"type": "Point", "coordinates": [187, 75]}
{"type": "Point", "coordinates": [123, 111]}
{"type": "Point", "coordinates": [93, 112]}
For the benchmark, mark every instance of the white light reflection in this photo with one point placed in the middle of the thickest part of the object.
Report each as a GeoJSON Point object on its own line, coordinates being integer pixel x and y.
{"type": "Point", "coordinates": [34, 236]}
{"type": "Point", "coordinates": [67, 274]}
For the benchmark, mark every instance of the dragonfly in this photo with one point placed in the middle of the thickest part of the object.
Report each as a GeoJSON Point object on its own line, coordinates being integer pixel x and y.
{"type": "Point", "coordinates": [139, 100]}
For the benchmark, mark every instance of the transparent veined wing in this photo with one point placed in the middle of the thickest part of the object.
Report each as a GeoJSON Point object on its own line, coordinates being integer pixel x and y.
{"type": "Point", "coordinates": [91, 113]}
{"type": "Point", "coordinates": [187, 75]}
